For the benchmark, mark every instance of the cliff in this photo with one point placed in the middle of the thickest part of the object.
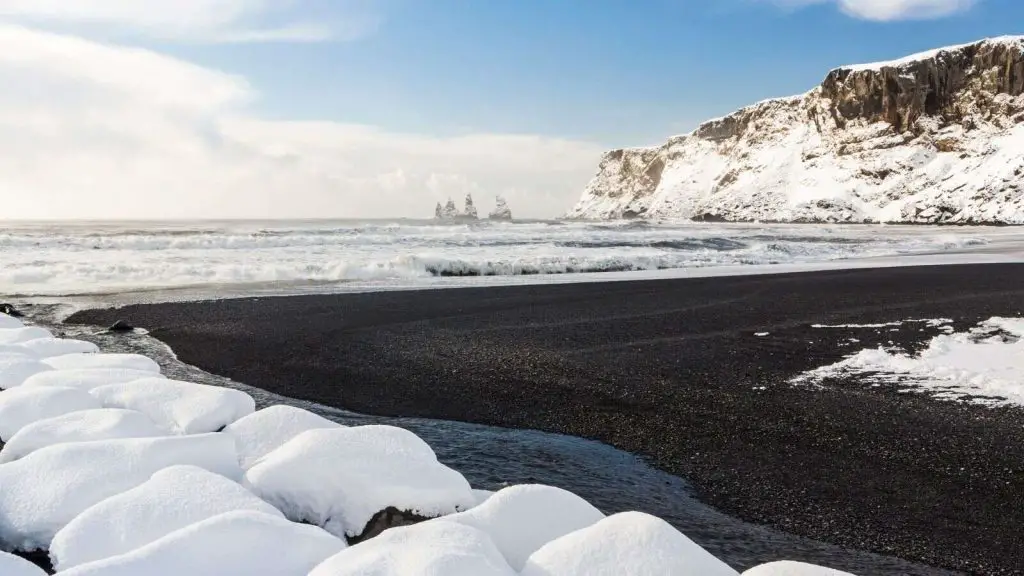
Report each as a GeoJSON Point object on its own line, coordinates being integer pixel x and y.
{"type": "Point", "coordinates": [936, 137]}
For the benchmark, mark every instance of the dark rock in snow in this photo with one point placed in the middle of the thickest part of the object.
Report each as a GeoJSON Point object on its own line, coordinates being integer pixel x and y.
{"type": "Point", "coordinates": [389, 517]}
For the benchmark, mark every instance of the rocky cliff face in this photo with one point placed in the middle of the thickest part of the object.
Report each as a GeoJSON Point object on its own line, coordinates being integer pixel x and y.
{"type": "Point", "coordinates": [936, 137]}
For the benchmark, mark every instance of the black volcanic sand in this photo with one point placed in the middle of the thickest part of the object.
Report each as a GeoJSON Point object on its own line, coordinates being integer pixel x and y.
{"type": "Point", "coordinates": [672, 370]}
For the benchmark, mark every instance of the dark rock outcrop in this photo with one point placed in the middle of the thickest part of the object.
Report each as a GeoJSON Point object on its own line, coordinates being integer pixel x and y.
{"type": "Point", "coordinates": [389, 517]}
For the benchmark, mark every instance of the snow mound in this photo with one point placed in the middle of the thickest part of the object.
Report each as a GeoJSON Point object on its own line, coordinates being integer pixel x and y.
{"type": "Point", "coordinates": [628, 543]}
{"type": "Point", "coordinates": [42, 492]}
{"type": "Point", "coordinates": [129, 361]}
{"type": "Point", "coordinates": [521, 519]}
{"type": "Point", "coordinates": [87, 379]}
{"type": "Point", "coordinates": [236, 543]}
{"type": "Point", "coordinates": [7, 321]}
{"type": "Point", "coordinates": [981, 366]}
{"type": "Point", "coordinates": [179, 407]}
{"type": "Point", "coordinates": [22, 334]}
{"type": "Point", "coordinates": [172, 499]}
{"type": "Point", "coordinates": [17, 350]}
{"type": "Point", "coordinates": [261, 432]}
{"type": "Point", "coordinates": [11, 565]}
{"type": "Point", "coordinates": [81, 426]}
{"type": "Point", "coordinates": [49, 347]}
{"type": "Point", "coordinates": [14, 370]}
{"type": "Point", "coordinates": [787, 568]}
{"type": "Point", "coordinates": [21, 406]}
{"type": "Point", "coordinates": [436, 548]}
{"type": "Point", "coordinates": [340, 478]}
{"type": "Point", "coordinates": [481, 496]}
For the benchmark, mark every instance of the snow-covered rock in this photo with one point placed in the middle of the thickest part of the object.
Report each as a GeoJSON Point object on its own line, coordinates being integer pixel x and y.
{"type": "Point", "coordinates": [42, 492]}
{"type": "Point", "coordinates": [501, 210]}
{"type": "Point", "coordinates": [49, 347]}
{"type": "Point", "coordinates": [482, 496]}
{"type": "Point", "coordinates": [933, 138]}
{"type": "Point", "coordinates": [22, 406]}
{"type": "Point", "coordinates": [7, 321]}
{"type": "Point", "coordinates": [129, 361]}
{"type": "Point", "coordinates": [179, 407]}
{"type": "Point", "coordinates": [521, 519]}
{"type": "Point", "coordinates": [86, 379]}
{"type": "Point", "coordinates": [21, 334]}
{"type": "Point", "coordinates": [341, 478]}
{"type": "Point", "coordinates": [81, 426]}
{"type": "Point", "coordinates": [628, 543]}
{"type": "Point", "coordinates": [8, 350]}
{"type": "Point", "coordinates": [11, 565]}
{"type": "Point", "coordinates": [435, 548]}
{"type": "Point", "coordinates": [261, 432]}
{"type": "Point", "coordinates": [243, 543]}
{"type": "Point", "coordinates": [172, 499]}
{"type": "Point", "coordinates": [787, 568]}
{"type": "Point", "coordinates": [15, 370]}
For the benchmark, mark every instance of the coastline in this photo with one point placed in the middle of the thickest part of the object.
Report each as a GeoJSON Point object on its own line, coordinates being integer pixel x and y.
{"type": "Point", "coordinates": [667, 369]}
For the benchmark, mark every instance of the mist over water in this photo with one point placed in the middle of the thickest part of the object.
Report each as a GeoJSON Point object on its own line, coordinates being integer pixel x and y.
{"type": "Point", "coordinates": [105, 258]}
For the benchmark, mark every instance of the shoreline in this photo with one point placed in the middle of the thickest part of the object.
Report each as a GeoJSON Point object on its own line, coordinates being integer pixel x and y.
{"type": "Point", "coordinates": [667, 369]}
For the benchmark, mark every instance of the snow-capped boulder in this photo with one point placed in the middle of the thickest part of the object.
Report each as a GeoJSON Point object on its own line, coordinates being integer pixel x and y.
{"type": "Point", "coordinates": [86, 379]}
{"type": "Point", "coordinates": [263, 431]}
{"type": "Point", "coordinates": [932, 138]}
{"type": "Point", "coordinates": [8, 321]}
{"type": "Point", "coordinates": [80, 426]}
{"type": "Point", "coordinates": [172, 499]}
{"type": "Point", "coordinates": [42, 492]}
{"type": "Point", "coordinates": [22, 406]}
{"type": "Point", "coordinates": [14, 370]}
{"type": "Point", "coordinates": [343, 478]}
{"type": "Point", "coordinates": [11, 565]}
{"type": "Point", "coordinates": [433, 548]}
{"type": "Point", "coordinates": [9, 350]}
{"type": "Point", "coordinates": [49, 347]}
{"type": "Point", "coordinates": [129, 361]}
{"type": "Point", "coordinates": [787, 568]}
{"type": "Point", "coordinates": [237, 543]}
{"type": "Point", "coordinates": [179, 407]}
{"type": "Point", "coordinates": [521, 519]}
{"type": "Point", "coordinates": [22, 334]}
{"type": "Point", "coordinates": [481, 496]}
{"type": "Point", "coordinates": [628, 543]}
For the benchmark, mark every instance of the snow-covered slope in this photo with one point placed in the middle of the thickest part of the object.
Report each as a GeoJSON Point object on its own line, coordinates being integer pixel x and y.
{"type": "Point", "coordinates": [936, 137]}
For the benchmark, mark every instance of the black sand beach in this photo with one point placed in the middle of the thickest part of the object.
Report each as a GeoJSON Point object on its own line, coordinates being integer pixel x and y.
{"type": "Point", "coordinates": [672, 370]}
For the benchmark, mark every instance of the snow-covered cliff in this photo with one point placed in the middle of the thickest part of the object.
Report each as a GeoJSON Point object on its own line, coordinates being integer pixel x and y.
{"type": "Point", "coordinates": [936, 137]}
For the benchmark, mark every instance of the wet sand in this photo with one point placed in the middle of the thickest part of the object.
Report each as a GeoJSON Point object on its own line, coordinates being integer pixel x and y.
{"type": "Point", "coordinates": [672, 370]}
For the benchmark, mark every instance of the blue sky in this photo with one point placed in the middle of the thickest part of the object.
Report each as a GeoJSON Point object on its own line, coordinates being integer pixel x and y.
{"type": "Point", "coordinates": [618, 72]}
{"type": "Point", "coordinates": [381, 108]}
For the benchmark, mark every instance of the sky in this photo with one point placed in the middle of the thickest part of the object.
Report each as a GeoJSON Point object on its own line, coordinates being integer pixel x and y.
{"type": "Point", "coordinates": [148, 109]}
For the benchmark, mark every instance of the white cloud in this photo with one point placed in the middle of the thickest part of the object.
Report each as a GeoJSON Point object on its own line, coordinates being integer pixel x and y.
{"type": "Point", "coordinates": [889, 10]}
{"type": "Point", "coordinates": [89, 130]}
{"type": "Point", "coordinates": [193, 20]}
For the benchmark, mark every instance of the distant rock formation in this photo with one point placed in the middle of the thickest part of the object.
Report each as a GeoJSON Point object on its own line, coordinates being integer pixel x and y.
{"type": "Point", "coordinates": [470, 209]}
{"type": "Point", "coordinates": [501, 210]}
{"type": "Point", "coordinates": [936, 137]}
{"type": "Point", "coordinates": [449, 213]}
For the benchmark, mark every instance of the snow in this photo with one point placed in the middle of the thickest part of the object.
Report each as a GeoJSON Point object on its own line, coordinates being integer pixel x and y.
{"type": "Point", "coordinates": [340, 478]}
{"type": "Point", "coordinates": [9, 350]}
{"type": "Point", "coordinates": [787, 568]}
{"type": "Point", "coordinates": [7, 321]}
{"type": "Point", "coordinates": [930, 54]}
{"type": "Point", "coordinates": [482, 496]}
{"type": "Point", "coordinates": [979, 366]}
{"type": "Point", "coordinates": [435, 548]}
{"type": "Point", "coordinates": [129, 361]}
{"type": "Point", "coordinates": [21, 406]}
{"type": "Point", "coordinates": [174, 498]}
{"type": "Point", "coordinates": [521, 519]}
{"type": "Point", "coordinates": [44, 491]}
{"type": "Point", "coordinates": [23, 334]}
{"type": "Point", "coordinates": [259, 433]}
{"type": "Point", "coordinates": [627, 543]}
{"type": "Point", "coordinates": [179, 407]}
{"type": "Point", "coordinates": [11, 565]}
{"type": "Point", "coordinates": [14, 370]}
{"type": "Point", "coordinates": [236, 543]}
{"type": "Point", "coordinates": [87, 379]}
{"type": "Point", "coordinates": [48, 347]}
{"type": "Point", "coordinates": [81, 426]}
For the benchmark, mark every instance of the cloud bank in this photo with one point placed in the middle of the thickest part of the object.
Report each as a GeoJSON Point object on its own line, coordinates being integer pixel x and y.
{"type": "Point", "coordinates": [92, 130]}
{"type": "Point", "coordinates": [890, 10]}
